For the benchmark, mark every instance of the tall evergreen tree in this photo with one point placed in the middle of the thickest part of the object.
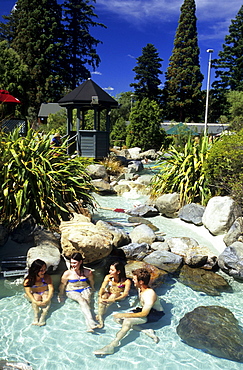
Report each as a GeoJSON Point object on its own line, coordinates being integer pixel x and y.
{"type": "Point", "coordinates": [38, 40]}
{"type": "Point", "coordinates": [81, 46]}
{"type": "Point", "coordinates": [183, 76]}
{"type": "Point", "coordinates": [147, 74]}
{"type": "Point", "coordinates": [229, 65]}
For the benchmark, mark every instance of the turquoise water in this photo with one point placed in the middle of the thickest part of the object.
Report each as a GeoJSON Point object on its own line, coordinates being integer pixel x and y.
{"type": "Point", "coordinates": [63, 343]}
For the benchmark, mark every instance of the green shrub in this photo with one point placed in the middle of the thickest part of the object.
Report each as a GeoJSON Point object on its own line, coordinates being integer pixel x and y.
{"type": "Point", "coordinates": [183, 172]}
{"type": "Point", "coordinates": [224, 167]}
{"type": "Point", "coordinates": [38, 180]}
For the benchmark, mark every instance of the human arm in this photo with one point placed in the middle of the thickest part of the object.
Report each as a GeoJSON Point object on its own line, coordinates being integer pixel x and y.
{"type": "Point", "coordinates": [62, 286]}
{"type": "Point", "coordinates": [90, 276]}
{"type": "Point", "coordinates": [122, 295]}
{"type": "Point", "coordinates": [50, 290]}
{"type": "Point", "coordinates": [149, 298]}
{"type": "Point", "coordinates": [103, 286]}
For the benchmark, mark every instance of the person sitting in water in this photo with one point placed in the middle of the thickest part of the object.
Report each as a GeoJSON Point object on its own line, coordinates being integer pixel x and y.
{"type": "Point", "coordinates": [114, 288]}
{"type": "Point", "coordinates": [78, 283]}
{"type": "Point", "coordinates": [39, 290]}
{"type": "Point", "coordinates": [151, 311]}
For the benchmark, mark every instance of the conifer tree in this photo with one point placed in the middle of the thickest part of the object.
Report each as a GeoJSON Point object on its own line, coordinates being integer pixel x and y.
{"type": "Point", "coordinates": [147, 74]}
{"type": "Point", "coordinates": [183, 76]}
{"type": "Point", "coordinates": [229, 65]}
{"type": "Point", "coordinates": [38, 40]}
{"type": "Point", "coordinates": [81, 46]}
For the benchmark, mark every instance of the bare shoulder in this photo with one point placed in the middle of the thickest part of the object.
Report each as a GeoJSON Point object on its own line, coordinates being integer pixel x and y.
{"type": "Point", "coordinates": [87, 272]}
{"type": "Point", "coordinates": [149, 294]}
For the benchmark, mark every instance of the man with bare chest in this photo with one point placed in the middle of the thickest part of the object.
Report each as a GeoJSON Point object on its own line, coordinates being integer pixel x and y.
{"type": "Point", "coordinates": [150, 311]}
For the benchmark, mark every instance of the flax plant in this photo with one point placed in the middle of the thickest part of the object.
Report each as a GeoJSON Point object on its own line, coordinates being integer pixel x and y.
{"type": "Point", "coordinates": [182, 171]}
{"type": "Point", "coordinates": [38, 180]}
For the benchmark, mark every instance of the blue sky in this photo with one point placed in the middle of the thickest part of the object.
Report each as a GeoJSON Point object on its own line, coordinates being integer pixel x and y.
{"type": "Point", "coordinates": [132, 24]}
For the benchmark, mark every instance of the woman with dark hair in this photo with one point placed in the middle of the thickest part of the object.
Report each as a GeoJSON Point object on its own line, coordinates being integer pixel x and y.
{"type": "Point", "coordinates": [78, 283]}
{"type": "Point", "coordinates": [39, 290]}
{"type": "Point", "coordinates": [115, 287]}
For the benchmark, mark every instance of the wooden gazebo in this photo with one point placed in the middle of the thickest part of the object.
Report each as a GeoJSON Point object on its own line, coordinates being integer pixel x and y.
{"type": "Point", "coordinates": [92, 143]}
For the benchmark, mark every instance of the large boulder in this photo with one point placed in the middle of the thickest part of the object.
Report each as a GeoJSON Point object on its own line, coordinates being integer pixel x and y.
{"type": "Point", "coordinates": [136, 166]}
{"type": "Point", "coordinates": [97, 171]}
{"type": "Point", "coordinates": [136, 251]}
{"type": "Point", "coordinates": [120, 237]}
{"type": "Point", "coordinates": [231, 260]}
{"type": "Point", "coordinates": [220, 214]}
{"type": "Point", "coordinates": [193, 254]}
{"type": "Point", "coordinates": [164, 260]}
{"type": "Point", "coordinates": [85, 237]}
{"type": "Point", "coordinates": [134, 153]}
{"type": "Point", "coordinates": [214, 330]}
{"type": "Point", "coordinates": [157, 276]}
{"type": "Point", "coordinates": [192, 213]}
{"type": "Point", "coordinates": [203, 281]}
{"type": "Point", "coordinates": [47, 248]}
{"type": "Point", "coordinates": [168, 204]}
{"type": "Point", "coordinates": [235, 232]}
{"type": "Point", "coordinates": [142, 234]}
{"type": "Point", "coordinates": [149, 154]}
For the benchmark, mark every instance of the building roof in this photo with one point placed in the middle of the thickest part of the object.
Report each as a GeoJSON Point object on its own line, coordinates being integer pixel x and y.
{"type": "Point", "coordinates": [47, 108]}
{"type": "Point", "coordinates": [10, 124]}
{"type": "Point", "coordinates": [85, 95]}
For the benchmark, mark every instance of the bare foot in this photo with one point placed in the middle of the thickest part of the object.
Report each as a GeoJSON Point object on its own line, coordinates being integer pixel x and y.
{"type": "Point", "coordinates": [150, 333]}
{"type": "Point", "coordinates": [107, 350]}
{"type": "Point", "coordinates": [35, 323]}
{"type": "Point", "coordinates": [42, 323]}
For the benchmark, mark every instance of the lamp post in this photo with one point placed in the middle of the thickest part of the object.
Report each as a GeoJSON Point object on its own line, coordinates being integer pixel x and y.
{"type": "Point", "coordinates": [210, 51]}
{"type": "Point", "coordinates": [131, 96]}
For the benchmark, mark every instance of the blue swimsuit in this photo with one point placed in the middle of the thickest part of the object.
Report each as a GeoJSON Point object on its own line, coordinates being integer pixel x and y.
{"type": "Point", "coordinates": [79, 290]}
{"type": "Point", "coordinates": [40, 286]}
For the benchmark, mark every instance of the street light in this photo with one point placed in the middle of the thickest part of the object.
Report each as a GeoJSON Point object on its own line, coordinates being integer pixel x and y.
{"type": "Point", "coordinates": [210, 51]}
{"type": "Point", "coordinates": [131, 96]}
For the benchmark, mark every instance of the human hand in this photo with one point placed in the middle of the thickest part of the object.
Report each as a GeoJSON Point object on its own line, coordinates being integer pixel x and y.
{"type": "Point", "coordinates": [60, 298]}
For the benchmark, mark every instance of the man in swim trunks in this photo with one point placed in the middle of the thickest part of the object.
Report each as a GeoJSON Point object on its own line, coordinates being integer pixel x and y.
{"type": "Point", "coordinates": [151, 311]}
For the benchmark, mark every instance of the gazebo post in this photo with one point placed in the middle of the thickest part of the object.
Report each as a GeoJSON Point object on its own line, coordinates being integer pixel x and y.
{"type": "Point", "coordinates": [78, 132]}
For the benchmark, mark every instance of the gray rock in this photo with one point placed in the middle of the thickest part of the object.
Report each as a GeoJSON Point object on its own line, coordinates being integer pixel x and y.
{"type": "Point", "coordinates": [203, 281]}
{"type": "Point", "coordinates": [136, 251]}
{"type": "Point", "coordinates": [220, 214]}
{"type": "Point", "coordinates": [142, 234]}
{"type": "Point", "coordinates": [168, 204]}
{"type": "Point", "coordinates": [214, 330]}
{"type": "Point", "coordinates": [192, 213]}
{"type": "Point", "coordinates": [103, 186]}
{"type": "Point", "coordinates": [137, 166]}
{"type": "Point", "coordinates": [97, 171]}
{"type": "Point", "coordinates": [23, 232]}
{"type": "Point", "coordinates": [47, 253]}
{"type": "Point", "coordinates": [235, 232]}
{"type": "Point", "coordinates": [157, 278]}
{"type": "Point", "coordinates": [160, 246]}
{"type": "Point", "coordinates": [164, 260]}
{"type": "Point", "coordinates": [231, 260]}
{"type": "Point", "coordinates": [142, 220]}
{"type": "Point", "coordinates": [121, 188]}
{"type": "Point", "coordinates": [144, 179]}
{"type": "Point", "coordinates": [134, 152]}
{"type": "Point", "coordinates": [149, 154]}
{"type": "Point", "coordinates": [143, 211]}
{"type": "Point", "coordinates": [120, 237]}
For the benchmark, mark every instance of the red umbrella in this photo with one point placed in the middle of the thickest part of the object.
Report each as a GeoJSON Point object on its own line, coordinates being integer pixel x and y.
{"type": "Point", "coordinates": [5, 97]}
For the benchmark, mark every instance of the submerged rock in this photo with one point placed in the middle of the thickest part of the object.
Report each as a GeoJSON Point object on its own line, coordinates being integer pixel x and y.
{"type": "Point", "coordinates": [142, 220]}
{"type": "Point", "coordinates": [214, 330]}
{"type": "Point", "coordinates": [203, 281]}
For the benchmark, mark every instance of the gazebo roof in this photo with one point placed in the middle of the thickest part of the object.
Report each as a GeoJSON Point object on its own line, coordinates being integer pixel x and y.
{"type": "Point", "coordinates": [85, 95]}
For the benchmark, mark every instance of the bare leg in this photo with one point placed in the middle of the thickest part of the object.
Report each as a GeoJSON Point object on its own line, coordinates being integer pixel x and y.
{"type": "Point", "coordinates": [149, 332]}
{"type": "Point", "coordinates": [45, 310]}
{"type": "Point", "coordinates": [128, 323]}
{"type": "Point", "coordinates": [102, 308]}
{"type": "Point", "coordinates": [84, 299]}
{"type": "Point", "coordinates": [36, 313]}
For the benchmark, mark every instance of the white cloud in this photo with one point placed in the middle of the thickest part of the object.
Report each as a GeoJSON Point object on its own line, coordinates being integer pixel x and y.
{"type": "Point", "coordinates": [108, 88]}
{"type": "Point", "coordinates": [131, 56]}
{"type": "Point", "coordinates": [96, 73]}
{"type": "Point", "coordinates": [147, 10]}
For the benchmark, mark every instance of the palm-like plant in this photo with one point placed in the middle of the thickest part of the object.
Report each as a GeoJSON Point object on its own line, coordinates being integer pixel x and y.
{"type": "Point", "coordinates": [38, 180]}
{"type": "Point", "coordinates": [183, 172]}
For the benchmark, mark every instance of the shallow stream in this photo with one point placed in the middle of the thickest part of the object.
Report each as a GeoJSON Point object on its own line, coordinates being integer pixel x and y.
{"type": "Point", "coordinates": [63, 343]}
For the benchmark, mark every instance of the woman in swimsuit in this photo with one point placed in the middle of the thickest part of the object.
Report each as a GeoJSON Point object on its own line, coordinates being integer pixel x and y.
{"type": "Point", "coordinates": [115, 287]}
{"type": "Point", "coordinates": [39, 290]}
{"type": "Point", "coordinates": [78, 283]}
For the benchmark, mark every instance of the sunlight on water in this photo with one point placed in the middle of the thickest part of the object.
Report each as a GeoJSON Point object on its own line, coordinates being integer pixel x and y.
{"type": "Point", "coordinates": [63, 343]}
